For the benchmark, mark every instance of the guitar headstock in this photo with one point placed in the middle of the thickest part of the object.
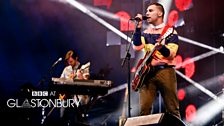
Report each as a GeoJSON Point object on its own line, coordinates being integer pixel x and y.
{"type": "Point", "coordinates": [85, 66]}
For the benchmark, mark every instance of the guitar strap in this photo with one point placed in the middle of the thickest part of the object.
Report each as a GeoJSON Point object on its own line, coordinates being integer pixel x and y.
{"type": "Point", "coordinates": [159, 38]}
{"type": "Point", "coordinates": [150, 47]}
{"type": "Point", "coordinates": [163, 32]}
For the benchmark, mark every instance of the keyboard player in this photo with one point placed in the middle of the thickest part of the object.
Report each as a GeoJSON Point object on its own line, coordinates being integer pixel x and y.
{"type": "Point", "coordinates": [72, 72]}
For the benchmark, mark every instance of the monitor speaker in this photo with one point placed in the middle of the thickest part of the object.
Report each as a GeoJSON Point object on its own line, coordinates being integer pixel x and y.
{"type": "Point", "coordinates": [160, 119]}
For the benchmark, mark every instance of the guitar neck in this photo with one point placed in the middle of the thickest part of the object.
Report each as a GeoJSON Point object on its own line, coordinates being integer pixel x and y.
{"type": "Point", "coordinates": [149, 56]}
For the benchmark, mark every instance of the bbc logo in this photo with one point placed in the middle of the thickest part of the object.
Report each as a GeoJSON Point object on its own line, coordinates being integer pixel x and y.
{"type": "Point", "coordinates": [39, 93]}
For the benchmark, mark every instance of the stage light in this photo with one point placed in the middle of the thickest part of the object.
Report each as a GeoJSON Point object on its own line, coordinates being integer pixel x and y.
{"type": "Point", "coordinates": [207, 112]}
{"type": "Point", "coordinates": [190, 112]}
{"type": "Point", "coordinates": [106, 3]}
{"type": "Point", "coordinates": [188, 64]}
{"type": "Point", "coordinates": [200, 87]}
{"type": "Point", "coordinates": [179, 61]}
{"type": "Point", "coordinates": [200, 44]}
{"type": "Point", "coordinates": [222, 35]}
{"type": "Point", "coordinates": [189, 68]}
{"type": "Point", "coordinates": [221, 48]}
{"type": "Point", "coordinates": [204, 85]}
{"type": "Point", "coordinates": [173, 18]}
{"type": "Point", "coordinates": [183, 5]}
{"type": "Point", "coordinates": [85, 10]}
{"type": "Point", "coordinates": [181, 94]}
{"type": "Point", "coordinates": [125, 24]}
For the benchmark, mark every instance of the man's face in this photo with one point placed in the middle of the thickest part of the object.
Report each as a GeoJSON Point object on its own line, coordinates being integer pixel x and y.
{"type": "Point", "coordinates": [153, 13]}
{"type": "Point", "coordinates": [71, 61]}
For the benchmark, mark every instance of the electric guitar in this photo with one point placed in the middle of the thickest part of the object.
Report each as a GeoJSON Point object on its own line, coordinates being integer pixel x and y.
{"type": "Point", "coordinates": [84, 70]}
{"type": "Point", "coordinates": [143, 66]}
{"type": "Point", "coordinates": [85, 66]}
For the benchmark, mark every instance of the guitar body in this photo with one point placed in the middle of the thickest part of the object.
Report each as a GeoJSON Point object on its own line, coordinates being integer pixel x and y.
{"type": "Point", "coordinates": [143, 66]}
{"type": "Point", "coordinates": [143, 70]}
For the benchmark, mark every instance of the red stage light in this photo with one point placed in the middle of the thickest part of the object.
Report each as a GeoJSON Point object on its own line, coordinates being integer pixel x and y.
{"type": "Point", "coordinates": [188, 64]}
{"type": "Point", "coordinates": [106, 3]}
{"type": "Point", "coordinates": [173, 17]}
{"type": "Point", "coordinates": [183, 5]}
{"type": "Point", "coordinates": [189, 68]}
{"type": "Point", "coordinates": [179, 61]}
{"type": "Point", "coordinates": [124, 16]}
{"type": "Point", "coordinates": [133, 70]}
{"type": "Point", "coordinates": [181, 94]}
{"type": "Point", "coordinates": [190, 112]}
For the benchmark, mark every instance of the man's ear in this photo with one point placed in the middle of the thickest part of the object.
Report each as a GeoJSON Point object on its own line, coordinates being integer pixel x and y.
{"type": "Point", "coordinates": [160, 14]}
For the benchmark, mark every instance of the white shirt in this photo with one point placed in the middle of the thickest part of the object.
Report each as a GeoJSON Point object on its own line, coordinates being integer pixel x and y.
{"type": "Point", "coordinates": [68, 72]}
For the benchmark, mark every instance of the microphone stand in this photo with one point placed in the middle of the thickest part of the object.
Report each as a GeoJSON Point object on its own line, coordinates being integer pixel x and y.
{"type": "Point", "coordinates": [41, 84]}
{"type": "Point", "coordinates": [127, 58]}
{"type": "Point", "coordinates": [49, 73]}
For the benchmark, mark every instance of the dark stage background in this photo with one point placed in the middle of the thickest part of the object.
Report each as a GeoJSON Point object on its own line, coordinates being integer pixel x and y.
{"type": "Point", "coordinates": [35, 33]}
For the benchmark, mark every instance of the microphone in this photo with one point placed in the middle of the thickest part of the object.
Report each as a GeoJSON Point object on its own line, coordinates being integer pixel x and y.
{"type": "Point", "coordinates": [138, 19]}
{"type": "Point", "coordinates": [56, 62]}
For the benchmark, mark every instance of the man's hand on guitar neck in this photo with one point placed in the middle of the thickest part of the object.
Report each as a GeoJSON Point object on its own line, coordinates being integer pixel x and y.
{"type": "Point", "coordinates": [158, 46]}
{"type": "Point", "coordinates": [83, 72]}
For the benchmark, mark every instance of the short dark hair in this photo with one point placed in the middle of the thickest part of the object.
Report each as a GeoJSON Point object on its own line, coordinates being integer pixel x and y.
{"type": "Point", "coordinates": [160, 7]}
